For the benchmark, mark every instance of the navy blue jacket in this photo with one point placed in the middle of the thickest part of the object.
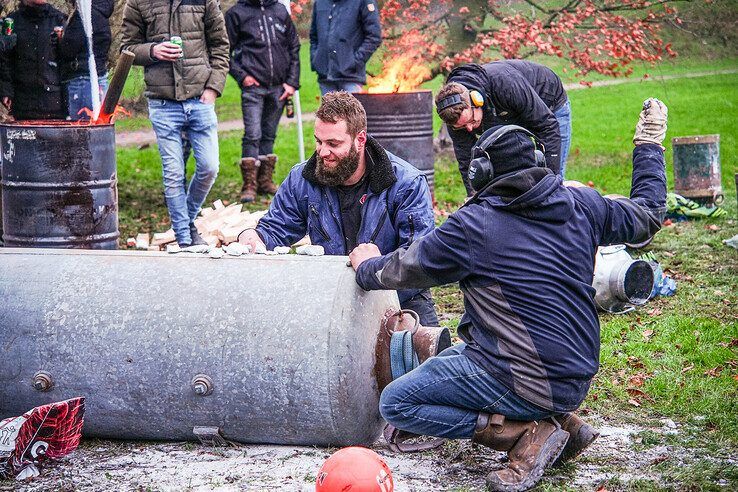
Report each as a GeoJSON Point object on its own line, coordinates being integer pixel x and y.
{"type": "Point", "coordinates": [523, 252]}
{"type": "Point", "coordinates": [516, 92]}
{"type": "Point", "coordinates": [343, 35]}
{"type": "Point", "coordinates": [397, 211]}
{"type": "Point", "coordinates": [264, 43]}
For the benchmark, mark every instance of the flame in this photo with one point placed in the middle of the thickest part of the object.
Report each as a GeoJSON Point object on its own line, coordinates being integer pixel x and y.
{"type": "Point", "coordinates": [401, 74]}
{"type": "Point", "coordinates": [104, 118]}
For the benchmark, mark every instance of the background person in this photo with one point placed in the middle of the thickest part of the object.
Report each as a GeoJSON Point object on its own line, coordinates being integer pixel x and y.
{"type": "Point", "coordinates": [265, 61]}
{"type": "Point", "coordinates": [507, 92]}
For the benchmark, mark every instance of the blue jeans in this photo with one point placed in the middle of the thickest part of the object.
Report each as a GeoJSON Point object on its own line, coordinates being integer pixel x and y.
{"type": "Point", "coordinates": [169, 119]}
{"type": "Point", "coordinates": [326, 86]}
{"type": "Point", "coordinates": [79, 95]}
{"type": "Point", "coordinates": [261, 109]}
{"type": "Point", "coordinates": [563, 116]}
{"type": "Point", "coordinates": [444, 396]}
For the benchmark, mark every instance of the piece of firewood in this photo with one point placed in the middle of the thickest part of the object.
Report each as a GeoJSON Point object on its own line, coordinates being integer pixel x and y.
{"type": "Point", "coordinates": [142, 240]}
{"type": "Point", "coordinates": [163, 238]}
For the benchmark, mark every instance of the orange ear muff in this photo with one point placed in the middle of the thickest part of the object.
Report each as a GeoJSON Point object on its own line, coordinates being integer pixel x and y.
{"type": "Point", "coordinates": [476, 98]}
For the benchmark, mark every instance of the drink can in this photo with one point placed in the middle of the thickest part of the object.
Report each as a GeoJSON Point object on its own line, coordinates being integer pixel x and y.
{"type": "Point", "coordinates": [290, 107]}
{"type": "Point", "coordinates": [58, 30]}
{"type": "Point", "coordinates": [178, 41]}
{"type": "Point", "coordinates": [8, 24]}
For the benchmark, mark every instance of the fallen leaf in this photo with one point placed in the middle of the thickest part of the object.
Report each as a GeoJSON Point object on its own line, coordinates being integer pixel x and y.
{"type": "Point", "coordinates": [636, 380]}
{"type": "Point", "coordinates": [714, 372]}
{"type": "Point", "coordinates": [647, 334]}
{"type": "Point", "coordinates": [735, 377]}
{"type": "Point", "coordinates": [668, 254]}
{"type": "Point", "coordinates": [712, 227]}
{"type": "Point", "coordinates": [654, 312]}
{"type": "Point", "coordinates": [688, 368]}
{"type": "Point", "coordinates": [635, 363]}
{"type": "Point", "coordinates": [668, 223]}
{"type": "Point", "coordinates": [732, 343]}
{"type": "Point", "coordinates": [634, 402]}
{"type": "Point", "coordinates": [636, 393]}
{"type": "Point", "coordinates": [719, 293]}
{"type": "Point", "coordinates": [659, 459]}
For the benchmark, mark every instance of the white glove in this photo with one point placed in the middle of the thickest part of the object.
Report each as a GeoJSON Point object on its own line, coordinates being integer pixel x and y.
{"type": "Point", "coordinates": [651, 126]}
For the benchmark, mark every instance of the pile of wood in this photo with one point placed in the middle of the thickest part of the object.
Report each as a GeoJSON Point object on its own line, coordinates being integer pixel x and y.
{"type": "Point", "coordinates": [218, 226]}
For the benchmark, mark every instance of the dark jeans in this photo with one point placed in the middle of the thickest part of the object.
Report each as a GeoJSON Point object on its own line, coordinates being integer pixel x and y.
{"type": "Point", "coordinates": [422, 304]}
{"type": "Point", "coordinates": [444, 396]}
{"type": "Point", "coordinates": [261, 112]}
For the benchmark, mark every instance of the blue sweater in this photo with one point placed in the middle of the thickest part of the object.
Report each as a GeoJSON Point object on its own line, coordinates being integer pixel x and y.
{"type": "Point", "coordinates": [523, 253]}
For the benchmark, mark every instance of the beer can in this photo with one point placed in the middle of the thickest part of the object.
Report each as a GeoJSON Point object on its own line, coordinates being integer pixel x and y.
{"type": "Point", "coordinates": [58, 30]}
{"type": "Point", "coordinates": [290, 107]}
{"type": "Point", "coordinates": [8, 24]}
{"type": "Point", "coordinates": [178, 41]}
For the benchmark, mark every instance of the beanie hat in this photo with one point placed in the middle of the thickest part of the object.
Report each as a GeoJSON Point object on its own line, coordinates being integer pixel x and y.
{"type": "Point", "coordinates": [511, 152]}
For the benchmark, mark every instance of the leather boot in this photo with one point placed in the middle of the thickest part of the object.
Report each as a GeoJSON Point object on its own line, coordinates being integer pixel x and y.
{"type": "Point", "coordinates": [266, 171]}
{"type": "Point", "coordinates": [531, 447]}
{"type": "Point", "coordinates": [581, 435]}
{"type": "Point", "coordinates": [249, 167]}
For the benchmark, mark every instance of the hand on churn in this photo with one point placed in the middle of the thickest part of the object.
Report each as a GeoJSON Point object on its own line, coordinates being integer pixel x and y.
{"type": "Point", "coordinates": [651, 126]}
{"type": "Point", "coordinates": [363, 252]}
{"type": "Point", "coordinates": [250, 237]}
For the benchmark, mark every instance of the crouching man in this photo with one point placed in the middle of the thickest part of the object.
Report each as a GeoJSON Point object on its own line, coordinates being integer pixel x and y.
{"type": "Point", "coordinates": [523, 252]}
{"type": "Point", "coordinates": [350, 191]}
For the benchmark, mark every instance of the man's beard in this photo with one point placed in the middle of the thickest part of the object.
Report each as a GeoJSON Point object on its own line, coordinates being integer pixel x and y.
{"type": "Point", "coordinates": [337, 175]}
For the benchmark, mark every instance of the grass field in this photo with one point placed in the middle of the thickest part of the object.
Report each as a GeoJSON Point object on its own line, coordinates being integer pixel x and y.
{"type": "Point", "coordinates": [675, 358]}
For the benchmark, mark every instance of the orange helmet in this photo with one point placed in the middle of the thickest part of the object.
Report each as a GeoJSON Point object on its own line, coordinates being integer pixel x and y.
{"type": "Point", "coordinates": [354, 469]}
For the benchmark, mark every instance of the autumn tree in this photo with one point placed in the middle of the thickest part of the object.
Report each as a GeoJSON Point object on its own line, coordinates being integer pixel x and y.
{"type": "Point", "coordinates": [603, 36]}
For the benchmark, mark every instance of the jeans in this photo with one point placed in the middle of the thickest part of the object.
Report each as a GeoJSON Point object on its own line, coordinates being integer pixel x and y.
{"type": "Point", "coordinates": [422, 303]}
{"type": "Point", "coordinates": [444, 396]}
{"type": "Point", "coordinates": [79, 95]}
{"type": "Point", "coordinates": [169, 119]}
{"type": "Point", "coordinates": [261, 112]}
{"type": "Point", "coordinates": [339, 86]}
{"type": "Point", "coordinates": [563, 116]}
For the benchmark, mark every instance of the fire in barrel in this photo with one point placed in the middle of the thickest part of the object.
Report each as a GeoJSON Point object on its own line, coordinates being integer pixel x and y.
{"type": "Point", "coordinates": [399, 115]}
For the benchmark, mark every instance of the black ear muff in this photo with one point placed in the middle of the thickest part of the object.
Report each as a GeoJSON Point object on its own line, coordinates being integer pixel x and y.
{"type": "Point", "coordinates": [482, 169]}
{"type": "Point", "coordinates": [449, 101]}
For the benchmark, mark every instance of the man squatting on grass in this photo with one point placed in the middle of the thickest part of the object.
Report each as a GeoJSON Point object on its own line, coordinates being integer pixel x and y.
{"type": "Point", "coordinates": [523, 252]}
{"type": "Point", "coordinates": [181, 86]}
{"type": "Point", "coordinates": [350, 191]}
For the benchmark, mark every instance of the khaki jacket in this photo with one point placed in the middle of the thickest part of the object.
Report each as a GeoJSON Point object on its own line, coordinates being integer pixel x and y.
{"type": "Point", "coordinates": [201, 26]}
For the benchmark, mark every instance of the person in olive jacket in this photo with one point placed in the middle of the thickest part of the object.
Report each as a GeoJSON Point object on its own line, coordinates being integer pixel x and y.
{"type": "Point", "coordinates": [30, 84]}
{"type": "Point", "coordinates": [265, 61]}
{"type": "Point", "coordinates": [343, 36]}
{"type": "Point", "coordinates": [182, 83]}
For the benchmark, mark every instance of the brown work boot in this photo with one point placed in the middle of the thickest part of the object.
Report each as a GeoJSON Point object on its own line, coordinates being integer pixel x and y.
{"type": "Point", "coordinates": [249, 167]}
{"type": "Point", "coordinates": [531, 447]}
{"type": "Point", "coordinates": [581, 435]}
{"type": "Point", "coordinates": [266, 171]}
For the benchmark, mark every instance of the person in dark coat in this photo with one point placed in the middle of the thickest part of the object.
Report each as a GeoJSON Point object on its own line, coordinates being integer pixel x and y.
{"type": "Point", "coordinates": [523, 251]}
{"type": "Point", "coordinates": [265, 61]}
{"type": "Point", "coordinates": [507, 92]}
{"type": "Point", "coordinates": [343, 36]}
{"type": "Point", "coordinates": [30, 82]}
{"type": "Point", "coordinates": [73, 52]}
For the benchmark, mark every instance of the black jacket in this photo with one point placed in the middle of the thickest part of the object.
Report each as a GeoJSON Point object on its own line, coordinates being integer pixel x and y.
{"type": "Point", "coordinates": [516, 92]}
{"type": "Point", "coordinates": [264, 43]}
{"type": "Point", "coordinates": [523, 252]}
{"type": "Point", "coordinates": [29, 73]}
{"type": "Point", "coordinates": [343, 36]}
{"type": "Point", "coordinates": [73, 45]}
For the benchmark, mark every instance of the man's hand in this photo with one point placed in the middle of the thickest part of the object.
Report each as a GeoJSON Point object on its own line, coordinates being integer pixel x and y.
{"type": "Point", "coordinates": [288, 91]}
{"type": "Point", "coordinates": [651, 126]}
{"type": "Point", "coordinates": [248, 81]}
{"type": "Point", "coordinates": [208, 96]}
{"type": "Point", "coordinates": [249, 237]}
{"type": "Point", "coordinates": [8, 103]}
{"type": "Point", "coordinates": [363, 252]}
{"type": "Point", "coordinates": [166, 51]}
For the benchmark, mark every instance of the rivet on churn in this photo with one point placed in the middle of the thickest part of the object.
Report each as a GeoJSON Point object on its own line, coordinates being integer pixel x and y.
{"type": "Point", "coordinates": [42, 381]}
{"type": "Point", "coordinates": [202, 385]}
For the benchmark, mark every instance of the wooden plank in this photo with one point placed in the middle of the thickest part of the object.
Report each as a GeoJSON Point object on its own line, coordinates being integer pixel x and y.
{"type": "Point", "coordinates": [142, 240]}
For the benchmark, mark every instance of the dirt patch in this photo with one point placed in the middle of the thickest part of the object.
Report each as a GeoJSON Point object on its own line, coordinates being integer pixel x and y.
{"type": "Point", "coordinates": [117, 465]}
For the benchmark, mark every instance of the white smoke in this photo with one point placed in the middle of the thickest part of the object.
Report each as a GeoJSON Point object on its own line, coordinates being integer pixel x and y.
{"type": "Point", "coordinates": [84, 7]}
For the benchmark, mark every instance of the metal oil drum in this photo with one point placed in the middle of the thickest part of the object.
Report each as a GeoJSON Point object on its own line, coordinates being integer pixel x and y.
{"type": "Point", "coordinates": [697, 168]}
{"type": "Point", "coordinates": [59, 185]}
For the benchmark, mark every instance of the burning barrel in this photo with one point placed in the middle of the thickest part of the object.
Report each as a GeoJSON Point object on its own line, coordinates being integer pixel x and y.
{"type": "Point", "coordinates": [402, 123]}
{"type": "Point", "coordinates": [59, 185]}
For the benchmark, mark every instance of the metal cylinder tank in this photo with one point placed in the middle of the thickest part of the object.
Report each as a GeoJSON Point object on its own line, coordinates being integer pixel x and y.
{"type": "Point", "coordinates": [403, 124]}
{"type": "Point", "coordinates": [59, 185]}
{"type": "Point", "coordinates": [269, 349]}
{"type": "Point", "coordinates": [697, 168]}
{"type": "Point", "coordinates": [620, 282]}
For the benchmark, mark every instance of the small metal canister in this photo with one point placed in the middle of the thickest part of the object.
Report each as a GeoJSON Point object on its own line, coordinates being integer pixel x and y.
{"type": "Point", "coordinates": [8, 25]}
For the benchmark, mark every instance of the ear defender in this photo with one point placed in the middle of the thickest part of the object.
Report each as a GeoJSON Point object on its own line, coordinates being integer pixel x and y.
{"type": "Point", "coordinates": [476, 98]}
{"type": "Point", "coordinates": [481, 168]}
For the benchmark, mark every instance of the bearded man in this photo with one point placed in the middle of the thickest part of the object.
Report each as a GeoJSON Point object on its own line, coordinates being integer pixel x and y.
{"type": "Point", "coordinates": [351, 191]}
